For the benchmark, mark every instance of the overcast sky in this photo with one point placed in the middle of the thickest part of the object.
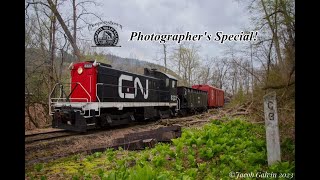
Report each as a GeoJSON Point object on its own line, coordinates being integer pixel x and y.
{"type": "Point", "coordinates": [166, 16]}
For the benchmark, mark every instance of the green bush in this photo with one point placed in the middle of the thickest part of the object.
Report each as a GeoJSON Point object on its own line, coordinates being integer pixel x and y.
{"type": "Point", "coordinates": [211, 152]}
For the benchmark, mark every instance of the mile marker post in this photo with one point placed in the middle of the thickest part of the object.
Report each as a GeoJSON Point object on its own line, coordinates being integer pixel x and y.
{"type": "Point", "coordinates": [272, 128]}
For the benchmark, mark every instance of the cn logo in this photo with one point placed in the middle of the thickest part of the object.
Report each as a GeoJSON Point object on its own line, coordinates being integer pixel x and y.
{"type": "Point", "coordinates": [136, 84]}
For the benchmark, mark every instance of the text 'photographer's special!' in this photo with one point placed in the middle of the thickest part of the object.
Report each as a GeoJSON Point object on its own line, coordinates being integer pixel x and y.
{"type": "Point", "coordinates": [187, 36]}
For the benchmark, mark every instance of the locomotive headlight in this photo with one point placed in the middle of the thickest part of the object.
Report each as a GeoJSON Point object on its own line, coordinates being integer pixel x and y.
{"type": "Point", "coordinates": [80, 70]}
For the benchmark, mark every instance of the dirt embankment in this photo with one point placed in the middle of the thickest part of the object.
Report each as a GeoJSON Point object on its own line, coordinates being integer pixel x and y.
{"type": "Point", "coordinates": [36, 116]}
{"type": "Point", "coordinates": [45, 151]}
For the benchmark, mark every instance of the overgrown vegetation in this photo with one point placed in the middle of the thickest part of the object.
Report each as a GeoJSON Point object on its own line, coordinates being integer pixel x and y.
{"type": "Point", "coordinates": [210, 152]}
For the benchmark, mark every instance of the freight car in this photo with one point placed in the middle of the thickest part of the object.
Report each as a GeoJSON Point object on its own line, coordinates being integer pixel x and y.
{"type": "Point", "coordinates": [215, 95]}
{"type": "Point", "coordinates": [191, 100]}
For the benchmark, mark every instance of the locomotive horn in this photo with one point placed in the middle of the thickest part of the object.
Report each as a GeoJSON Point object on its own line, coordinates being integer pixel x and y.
{"type": "Point", "coordinates": [70, 66]}
{"type": "Point", "coordinates": [95, 63]}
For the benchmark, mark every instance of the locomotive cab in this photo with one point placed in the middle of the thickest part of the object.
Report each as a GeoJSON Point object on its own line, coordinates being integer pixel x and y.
{"type": "Point", "coordinates": [167, 93]}
{"type": "Point", "coordinates": [168, 84]}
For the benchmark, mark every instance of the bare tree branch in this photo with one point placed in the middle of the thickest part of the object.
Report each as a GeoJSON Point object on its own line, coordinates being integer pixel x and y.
{"type": "Point", "coordinates": [66, 30]}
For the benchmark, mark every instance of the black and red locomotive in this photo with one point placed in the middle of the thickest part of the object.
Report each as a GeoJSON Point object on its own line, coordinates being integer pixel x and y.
{"type": "Point", "coordinates": [103, 96]}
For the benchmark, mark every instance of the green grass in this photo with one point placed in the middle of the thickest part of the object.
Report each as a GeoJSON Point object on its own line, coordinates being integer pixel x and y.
{"type": "Point", "coordinates": [210, 152]}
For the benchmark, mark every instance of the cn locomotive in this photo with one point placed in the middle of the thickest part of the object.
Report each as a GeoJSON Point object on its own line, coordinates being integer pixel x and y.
{"type": "Point", "coordinates": [101, 96]}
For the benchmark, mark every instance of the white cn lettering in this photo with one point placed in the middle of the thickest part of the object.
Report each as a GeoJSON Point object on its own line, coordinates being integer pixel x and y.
{"type": "Point", "coordinates": [136, 83]}
{"type": "Point", "coordinates": [121, 94]}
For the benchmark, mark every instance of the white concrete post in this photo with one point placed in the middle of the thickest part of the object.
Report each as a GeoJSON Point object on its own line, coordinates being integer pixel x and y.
{"type": "Point", "coordinates": [272, 128]}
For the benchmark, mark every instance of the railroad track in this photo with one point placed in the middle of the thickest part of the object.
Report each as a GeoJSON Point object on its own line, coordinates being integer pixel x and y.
{"type": "Point", "coordinates": [30, 138]}
{"type": "Point", "coordinates": [59, 133]}
{"type": "Point", "coordinates": [55, 134]}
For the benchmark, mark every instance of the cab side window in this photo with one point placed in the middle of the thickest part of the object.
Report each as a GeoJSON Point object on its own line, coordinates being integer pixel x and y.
{"type": "Point", "coordinates": [150, 84]}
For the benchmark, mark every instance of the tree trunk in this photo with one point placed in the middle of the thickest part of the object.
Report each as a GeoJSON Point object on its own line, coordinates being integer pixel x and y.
{"type": "Point", "coordinates": [52, 49]}
{"type": "Point", "coordinates": [252, 78]}
{"type": "Point", "coordinates": [165, 57]}
{"type": "Point", "coordinates": [66, 30]}
{"type": "Point", "coordinates": [273, 29]}
{"type": "Point", "coordinates": [74, 21]}
{"type": "Point", "coordinates": [180, 59]}
{"type": "Point", "coordinates": [42, 45]}
{"type": "Point", "coordinates": [189, 70]}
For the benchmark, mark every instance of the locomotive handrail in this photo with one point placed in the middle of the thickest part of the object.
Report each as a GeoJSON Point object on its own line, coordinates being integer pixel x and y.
{"type": "Point", "coordinates": [78, 83]}
{"type": "Point", "coordinates": [178, 104]}
{"type": "Point", "coordinates": [53, 91]}
{"type": "Point", "coordinates": [61, 86]}
{"type": "Point", "coordinates": [72, 91]}
{"type": "Point", "coordinates": [131, 87]}
{"type": "Point", "coordinates": [84, 90]}
{"type": "Point", "coordinates": [50, 97]}
{"type": "Point", "coordinates": [98, 97]}
{"type": "Point", "coordinates": [86, 99]}
{"type": "Point", "coordinates": [158, 91]}
{"type": "Point", "coordinates": [51, 103]}
{"type": "Point", "coordinates": [60, 97]}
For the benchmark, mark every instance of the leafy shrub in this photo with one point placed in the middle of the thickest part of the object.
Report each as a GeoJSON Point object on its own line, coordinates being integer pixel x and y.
{"type": "Point", "coordinates": [211, 152]}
